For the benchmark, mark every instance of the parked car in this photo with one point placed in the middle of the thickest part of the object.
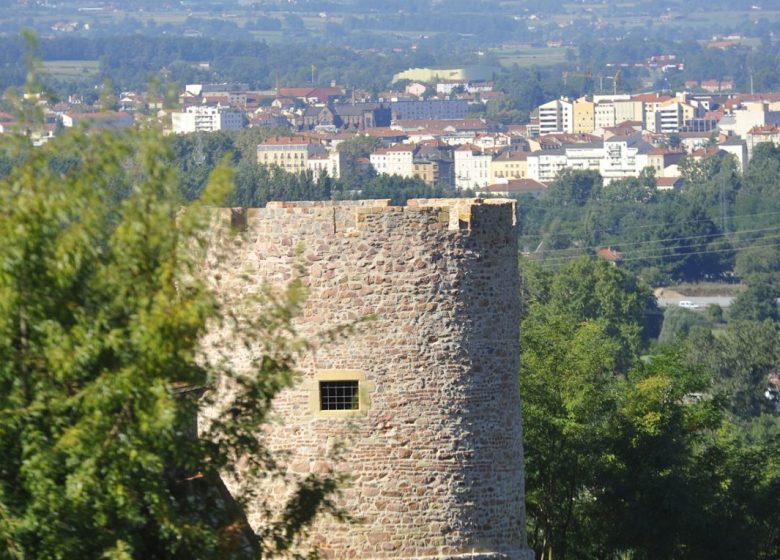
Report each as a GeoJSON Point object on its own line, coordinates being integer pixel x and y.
{"type": "Point", "coordinates": [686, 304]}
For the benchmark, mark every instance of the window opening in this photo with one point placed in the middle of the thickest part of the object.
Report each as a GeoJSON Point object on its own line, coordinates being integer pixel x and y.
{"type": "Point", "coordinates": [339, 395]}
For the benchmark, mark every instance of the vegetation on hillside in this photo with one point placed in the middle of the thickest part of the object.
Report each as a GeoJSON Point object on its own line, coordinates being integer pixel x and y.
{"type": "Point", "coordinates": [644, 451]}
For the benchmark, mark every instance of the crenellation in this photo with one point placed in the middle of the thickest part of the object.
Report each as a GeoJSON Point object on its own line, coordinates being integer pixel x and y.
{"type": "Point", "coordinates": [434, 448]}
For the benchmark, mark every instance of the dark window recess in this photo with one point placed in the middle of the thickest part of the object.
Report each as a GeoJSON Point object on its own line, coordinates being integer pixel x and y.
{"type": "Point", "coordinates": [339, 395]}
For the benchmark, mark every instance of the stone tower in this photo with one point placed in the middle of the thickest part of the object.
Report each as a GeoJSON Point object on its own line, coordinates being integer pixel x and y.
{"type": "Point", "coordinates": [425, 394]}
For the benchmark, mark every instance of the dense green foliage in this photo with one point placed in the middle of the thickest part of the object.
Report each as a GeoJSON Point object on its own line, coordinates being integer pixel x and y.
{"type": "Point", "coordinates": [721, 224]}
{"type": "Point", "coordinates": [674, 454]}
{"type": "Point", "coordinates": [102, 372]}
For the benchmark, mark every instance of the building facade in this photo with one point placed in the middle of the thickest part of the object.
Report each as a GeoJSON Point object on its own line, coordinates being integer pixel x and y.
{"type": "Point", "coordinates": [206, 118]}
{"type": "Point", "coordinates": [472, 167]}
{"type": "Point", "coordinates": [291, 153]}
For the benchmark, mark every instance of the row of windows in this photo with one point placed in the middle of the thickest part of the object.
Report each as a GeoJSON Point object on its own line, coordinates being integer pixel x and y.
{"type": "Point", "coordinates": [282, 156]}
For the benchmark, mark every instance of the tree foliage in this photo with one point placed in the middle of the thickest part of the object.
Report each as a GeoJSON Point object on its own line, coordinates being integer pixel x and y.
{"type": "Point", "coordinates": [102, 374]}
{"type": "Point", "coordinates": [639, 456]}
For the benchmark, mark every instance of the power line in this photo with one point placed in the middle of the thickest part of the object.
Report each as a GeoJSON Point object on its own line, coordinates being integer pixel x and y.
{"type": "Point", "coordinates": [649, 257]}
{"type": "Point", "coordinates": [668, 239]}
{"type": "Point", "coordinates": [654, 224]}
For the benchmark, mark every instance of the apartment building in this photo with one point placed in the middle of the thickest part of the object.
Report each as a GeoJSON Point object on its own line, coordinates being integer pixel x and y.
{"type": "Point", "coordinates": [611, 110]}
{"type": "Point", "coordinates": [556, 116]}
{"type": "Point", "coordinates": [738, 148]}
{"type": "Point", "coordinates": [509, 165]}
{"type": "Point", "coordinates": [395, 160]}
{"type": "Point", "coordinates": [329, 162]}
{"type": "Point", "coordinates": [584, 156]}
{"type": "Point", "coordinates": [759, 134]}
{"type": "Point", "coordinates": [425, 162]}
{"type": "Point", "coordinates": [583, 116]}
{"type": "Point", "coordinates": [472, 167]}
{"type": "Point", "coordinates": [544, 165]}
{"type": "Point", "coordinates": [206, 118]}
{"type": "Point", "coordinates": [663, 159]}
{"type": "Point", "coordinates": [748, 116]}
{"type": "Point", "coordinates": [624, 156]}
{"type": "Point", "coordinates": [291, 153]}
{"type": "Point", "coordinates": [429, 109]}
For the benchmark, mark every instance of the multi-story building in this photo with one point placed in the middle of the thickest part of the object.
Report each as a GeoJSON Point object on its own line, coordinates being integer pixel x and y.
{"type": "Point", "coordinates": [624, 156]}
{"type": "Point", "coordinates": [611, 110]}
{"type": "Point", "coordinates": [544, 165]}
{"type": "Point", "coordinates": [428, 163]}
{"type": "Point", "coordinates": [291, 153]}
{"type": "Point", "coordinates": [604, 115]}
{"type": "Point", "coordinates": [329, 162]}
{"type": "Point", "coordinates": [472, 167]}
{"type": "Point", "coordinates": [427, 171]}
{"type": "Point", "coordinates": [662, 159]}
{"type": "Point", "coordinates": [509, 165]}
{"type": "Point", "coordinates": [759, 134]}
{"type": "Point", "coordinates": [395, 160]}
{"type": "Point", "coordinates": [583, 116]}
{"type": "Point", "coordinates": [555, 116]}
{"type": "Point", "coordinates": [667, 118]}
{"type": "Point", "coordinates": [748, 116]}
{"type": "Point", "coordinates": [650, 103]}
{"type": "Point", "coordinates": [206, 118]}
{"type": "Point", "coordinates": [738, 148]}
{"type": "Point", "coordinates": [584, 156]}
{"type": "Point", "coordinates": [435, 109]}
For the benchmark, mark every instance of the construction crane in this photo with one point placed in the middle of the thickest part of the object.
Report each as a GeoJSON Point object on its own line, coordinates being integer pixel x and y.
{"type": "Point", "coordinates": [615, 81]}
{"type": "Point", "coordinates": [567, 75]}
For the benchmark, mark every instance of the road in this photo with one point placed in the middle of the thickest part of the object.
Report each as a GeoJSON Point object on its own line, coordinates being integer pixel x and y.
{"type": "Point", "coordinates": [702, 302]}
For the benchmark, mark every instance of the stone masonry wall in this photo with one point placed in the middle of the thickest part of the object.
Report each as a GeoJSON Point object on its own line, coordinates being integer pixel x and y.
{"type": "Point", "coordinates": [435, 458]}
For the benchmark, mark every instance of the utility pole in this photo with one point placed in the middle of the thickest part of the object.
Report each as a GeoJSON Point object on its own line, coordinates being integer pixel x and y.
{"type": "Point", "coordinates": [723, 203]}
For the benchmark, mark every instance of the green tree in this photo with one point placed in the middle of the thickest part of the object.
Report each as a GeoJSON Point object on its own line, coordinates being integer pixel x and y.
{"type": "Point", "coordinates": [740, 357]}
{"type": "Point", "coordinates": [101, 316]}
{"type": "Point", "coordinates": [638, 462]}
{"type": "Point", "coordinates": [677, 323]}
{"type": "Point", "coordinates": [108, 101]}
{"type": "Point", "coordinates": [582, 326]}
{"type": "Point", "coordinates": [575, 187]}
{"type": "Point", "coordinates": [757, 303]}
{"type": "Point", "coordinates": [355, 176]}
{"type": "Point", "coordinates": [756, 265]}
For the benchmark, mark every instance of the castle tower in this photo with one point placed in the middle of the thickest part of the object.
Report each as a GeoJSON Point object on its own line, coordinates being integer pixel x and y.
{"type": "Point", "coordinates": [424, 395]}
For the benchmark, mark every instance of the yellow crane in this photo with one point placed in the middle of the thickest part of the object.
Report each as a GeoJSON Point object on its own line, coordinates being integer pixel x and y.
{"type": "Point", "coordinates": [567, 75]}
{"type": "Point", "coordinates": [615, 81]}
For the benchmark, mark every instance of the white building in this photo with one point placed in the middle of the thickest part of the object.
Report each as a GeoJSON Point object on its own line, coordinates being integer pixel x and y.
{"type": "Point", "coordinates": [668, 119]}
{"type": "Point", "coordinates": [556, 116]}
{"type": "Point", "coordinates": [329, 162]}
{"type": "Point", "coordinates": [742, 120]}
{"type": "Point", "coordinates": [604, 115]}
{"type": "Point", "coordinates": [206, 118]}
{"type": "Point", "coordinates": [396, 160]}
{"type": "Point", "coordinates": [739, 149]}
{"type": "Point", "coordinates": [544, 165]}
{"type": "Point", "coordinates": [624, 156]}
{"type": "Point", "coordinates": [472, 167]}
{"type": "Point", "coordinates": [584, 157]}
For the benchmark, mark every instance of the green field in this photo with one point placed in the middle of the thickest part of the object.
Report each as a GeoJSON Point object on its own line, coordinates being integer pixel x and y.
{"type": "Point", "coordinates": [526, 57]}
{"type": "Point", "coordinates": [71, 69]}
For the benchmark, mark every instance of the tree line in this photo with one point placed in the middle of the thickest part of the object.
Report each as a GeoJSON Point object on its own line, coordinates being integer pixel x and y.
{"type": "Point", "coordinates": [638, 447]}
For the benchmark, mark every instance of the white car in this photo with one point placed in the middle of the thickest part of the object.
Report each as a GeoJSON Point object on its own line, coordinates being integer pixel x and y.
{"type": "Point", "coordinates": [686, 304]}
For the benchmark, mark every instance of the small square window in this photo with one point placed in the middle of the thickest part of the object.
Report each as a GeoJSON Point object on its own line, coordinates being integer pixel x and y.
{"type": "Point", "coordinates": [339, 395]}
